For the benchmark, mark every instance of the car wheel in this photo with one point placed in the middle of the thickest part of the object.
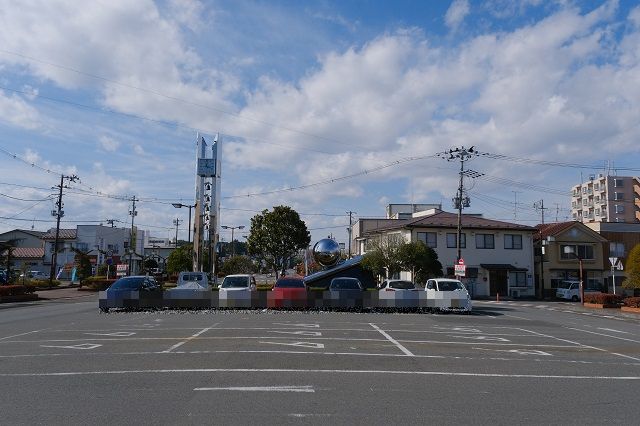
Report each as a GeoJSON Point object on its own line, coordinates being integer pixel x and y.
{"type": "Point", "coordinates": [574, 299]}
{"type": "Point", "coordinates": [105, 310]}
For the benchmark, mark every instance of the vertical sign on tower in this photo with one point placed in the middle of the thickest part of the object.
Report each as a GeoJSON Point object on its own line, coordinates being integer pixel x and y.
{"type": "Point", "coordinates": [207, 202]}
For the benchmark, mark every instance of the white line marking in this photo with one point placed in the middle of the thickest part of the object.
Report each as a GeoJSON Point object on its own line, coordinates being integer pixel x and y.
{"type": "Point", "coordinates": [298, 344]}
{"type": "Point", "coordinates": [488, 338]}
{"type": "Point", "coordinates": [392, 340]}
{"type": "Point", "coordinates": [611, 329]}
{"type": "Point", "coordinates": [298, 371]}
{"type": "Point", "coordinates": [307, 389]}
{"type": "Point", "coordinates": [22, 334]}
{"type": "Point", "coordinates": [177, 345]}
{"type": "Point", "coordinates": [81, 346]}
{"type": "Point", "coordinates": [115, 334]}
{"type": "Point", "coordinates": [516, 351]}
{"type": "Point", "coordinates": [298, 325]}
{"type": "Point", "coordinates": [299, 333]}
{"type": "Point", "coordinates": [606, 335]}
{"type": "Point", "coordinates": [583, 345]}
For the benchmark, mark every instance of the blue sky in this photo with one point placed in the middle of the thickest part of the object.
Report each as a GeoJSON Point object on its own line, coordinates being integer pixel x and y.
{"type": "Point", "coordinates": [309, 92]}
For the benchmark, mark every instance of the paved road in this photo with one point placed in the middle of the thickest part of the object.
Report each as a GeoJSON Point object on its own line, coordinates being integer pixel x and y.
{"type": "Point", "coordinates": [62, 361]}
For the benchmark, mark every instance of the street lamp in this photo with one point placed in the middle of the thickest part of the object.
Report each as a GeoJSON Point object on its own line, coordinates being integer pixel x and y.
{"type": "Point", "coordinates": [233, 245]}
{"type": "Point", "coordinates": [180, 205]}
{"type": "Point", "coordinates": [570, 250]}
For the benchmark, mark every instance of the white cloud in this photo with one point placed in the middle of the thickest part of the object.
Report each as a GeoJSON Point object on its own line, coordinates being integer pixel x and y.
{"type": "Point", "coordinates": [15, 111]}
{"type": "Point", "coordinates": [138, 150]}
{"type": "Point", "coordinates": [108, 144]}
{"type": "Point", "coordinates": [458, 10]}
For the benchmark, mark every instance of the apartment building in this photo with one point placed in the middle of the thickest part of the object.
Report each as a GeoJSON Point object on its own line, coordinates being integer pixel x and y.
{"type": "Point", "coordinates": [605, 198]}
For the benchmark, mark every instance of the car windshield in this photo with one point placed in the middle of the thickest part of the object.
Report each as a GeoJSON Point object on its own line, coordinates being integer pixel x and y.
{"type": "Point", "coordinates": [289, 283]}
{"type": "Point", "coordinates": [450, 285]}
{"type": "Point", "coordinates": [235, 282]}
{"type": "Point", "coordinates": [403, 285]}
{"type": "Point", "coordinates": [345, 285]}
{"type": "Point", "coordinates": [192, 277]}
{"type": "Point", "coordinates": [564, 284]}
{"type": "Point", "coordinates": [127, 283]}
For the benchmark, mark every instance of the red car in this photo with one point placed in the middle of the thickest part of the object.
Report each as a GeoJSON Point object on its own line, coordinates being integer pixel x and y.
{"type": "Point", "coordinates": [288, 292]}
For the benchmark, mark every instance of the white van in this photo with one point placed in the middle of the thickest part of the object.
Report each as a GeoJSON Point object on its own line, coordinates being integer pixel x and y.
{"type": "Point", "coordinates": [193, 280]}
{"type": "Point", "coordinates": [570, 290]}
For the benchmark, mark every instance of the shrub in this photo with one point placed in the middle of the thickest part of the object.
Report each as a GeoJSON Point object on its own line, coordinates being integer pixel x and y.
{"type": "Point", "coordinates": [603, 298]}
{"type": "Point", "coordinates": [632, 302]}
{"type": "Point", "coordinates": [98, 283]}
{"type": "Point", "coordinates": [16, 290]}
{"type": "Point", "coordinates": [44, 283]}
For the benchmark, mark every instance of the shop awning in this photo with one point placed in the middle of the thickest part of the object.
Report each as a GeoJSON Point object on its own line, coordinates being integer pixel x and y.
{"type": "Point", "coordinates": [500, 267]}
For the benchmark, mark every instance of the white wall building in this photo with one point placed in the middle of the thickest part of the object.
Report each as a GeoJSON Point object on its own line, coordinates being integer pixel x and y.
{"type": "Point", "coordinates": [498, 255]}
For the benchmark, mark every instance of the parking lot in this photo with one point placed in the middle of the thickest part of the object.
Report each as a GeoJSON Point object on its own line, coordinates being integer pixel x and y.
{"type": "Point", "coordinates": [506, 362]}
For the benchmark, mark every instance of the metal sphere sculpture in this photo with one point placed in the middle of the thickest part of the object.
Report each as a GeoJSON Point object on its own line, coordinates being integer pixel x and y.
{"type": "Point", "coordinates": [326, 252]}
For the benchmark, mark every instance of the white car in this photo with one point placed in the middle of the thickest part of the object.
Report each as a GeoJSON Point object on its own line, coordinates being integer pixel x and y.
{"type": "Point", "coordinates": [447, 294]}
{"type": "Point", "coordinates": [239, 282]}
{"type": "Point", "coordinates": [570, 290]}
{"type": "Point", "coordinates": [400, 286]}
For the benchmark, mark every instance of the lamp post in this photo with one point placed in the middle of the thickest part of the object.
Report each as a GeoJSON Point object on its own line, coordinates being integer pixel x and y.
{"type": "Point", "coordinates": [180, 205]}
{"type": "Point", "coordinates": [572, 251]}
{"type": "Point", "coordinates": [233, 246]}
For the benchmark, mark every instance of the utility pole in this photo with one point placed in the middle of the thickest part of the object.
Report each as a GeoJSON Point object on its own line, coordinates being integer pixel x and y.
{"type": "Point", "coordinates": [539, 205]}
{"type": "Point", "coordinates": [58, 213]}
{"type": "Point", "coordinates": [133, 213]}
{"type": "Point", "coordinates": [176, 222]}
{"type": "Point", "coordinates": [462, 154]}
{"type": "Point", "coordinates": [350, 229]}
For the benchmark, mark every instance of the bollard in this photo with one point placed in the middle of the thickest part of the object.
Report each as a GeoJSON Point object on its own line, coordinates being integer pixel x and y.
{"type": "Point", "coordinates": [497, 297]}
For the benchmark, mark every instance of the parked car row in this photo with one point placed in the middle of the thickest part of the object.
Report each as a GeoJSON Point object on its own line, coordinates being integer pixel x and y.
{"type": "Point", "coordinates": [446, 294]}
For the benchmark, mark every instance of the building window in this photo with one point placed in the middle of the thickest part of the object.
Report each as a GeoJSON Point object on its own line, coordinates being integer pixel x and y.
{"type": "Point", "coordinates": [584, 252]}
{"type": "Point", "coordinates": [584, 202]}
{"type": "Point", "coordinates": [596, 186]}
{"type": "Point", "coordinates": [82, 246]}
{"type": "Point", "coordinates": [429, 238]}
{"type": "Point", "coordinates": [485, 241]}
{"type": "Point", "coordinates": [513, 242]}
{"type": "Point", "coordinates": [517, 279]}
{"type": "Point", "coordinates": [452, 240]}
{"type": "Point", "coordinates": [618, 196]}
{"type": "Point", "coordinates": [618, 183]}
{"type": "Point", "coordinates": [52, 247]}
{"type": "Point", "coordinates": [616, 249]}
{"type": "Point", "coordinates": [597, 212]}
{"type": "Point", "coordinates": [584, 190]}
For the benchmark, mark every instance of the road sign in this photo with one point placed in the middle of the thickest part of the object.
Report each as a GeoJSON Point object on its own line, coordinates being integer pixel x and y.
{"type": "Point", "coordinates": [461, 261]}
{"type": "Point", "coordinates": [121, 269]}
{"type": "Point", "coordinates": [613, 261]}
{"type": "Point", "coordinates": [460, 269]}
{"type": "Point", "coordinates": [619, 266]}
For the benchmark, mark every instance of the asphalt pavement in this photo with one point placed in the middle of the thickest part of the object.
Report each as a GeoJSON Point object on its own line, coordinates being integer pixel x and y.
{"type": "Point", "coordinates": [63, 362]}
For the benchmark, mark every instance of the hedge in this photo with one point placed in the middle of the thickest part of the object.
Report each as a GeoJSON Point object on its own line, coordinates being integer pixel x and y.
{"type": "Point", "coordinates": [632, 302]}
{"type": "Point", "coordinates": [16, 290]}
{"type": "Point", "coordinates": [44, 283]}
{"type": "Point", "coordinates": [603, 298]}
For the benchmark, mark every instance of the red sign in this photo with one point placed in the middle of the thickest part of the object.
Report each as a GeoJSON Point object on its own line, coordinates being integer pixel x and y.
{"type": "Point", "coordinates": [461, 261]}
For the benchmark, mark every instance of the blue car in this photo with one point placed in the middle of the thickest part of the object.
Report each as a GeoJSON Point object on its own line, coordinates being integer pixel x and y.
{"type": "Point", "coordinates": [129, 292]}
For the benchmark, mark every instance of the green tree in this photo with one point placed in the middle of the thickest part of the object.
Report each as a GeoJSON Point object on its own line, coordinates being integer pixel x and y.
{"type": "Point", "coordinates": [421, 260]}
{"type": "Point", "coordinates": [382, 256]}
{"type": "Point", "coordinates": [83, 263]}
{"type": "Point", "coordinates": [238, 265]}
{"type": "Point", "coordinates": [632, 269]}
{"type": "Point", "coordinates": [276, 236]}
{"type": "Point", "coordinates": [180, 260]}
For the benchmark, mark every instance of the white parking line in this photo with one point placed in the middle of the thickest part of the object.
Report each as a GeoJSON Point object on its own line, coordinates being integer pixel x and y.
{"type": "Point", "coordinates": [177, 345]}
{"type": "Point", "coordinates": [583, 345]}
{"type": "Point", "coordinates": [22, 334]}
{"type": "Point", "coordinates": [392, 340]}
{"type": "Point", "coordinates": [307, 389]}
{"type": "Point", "coordinates": [320, 371]}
